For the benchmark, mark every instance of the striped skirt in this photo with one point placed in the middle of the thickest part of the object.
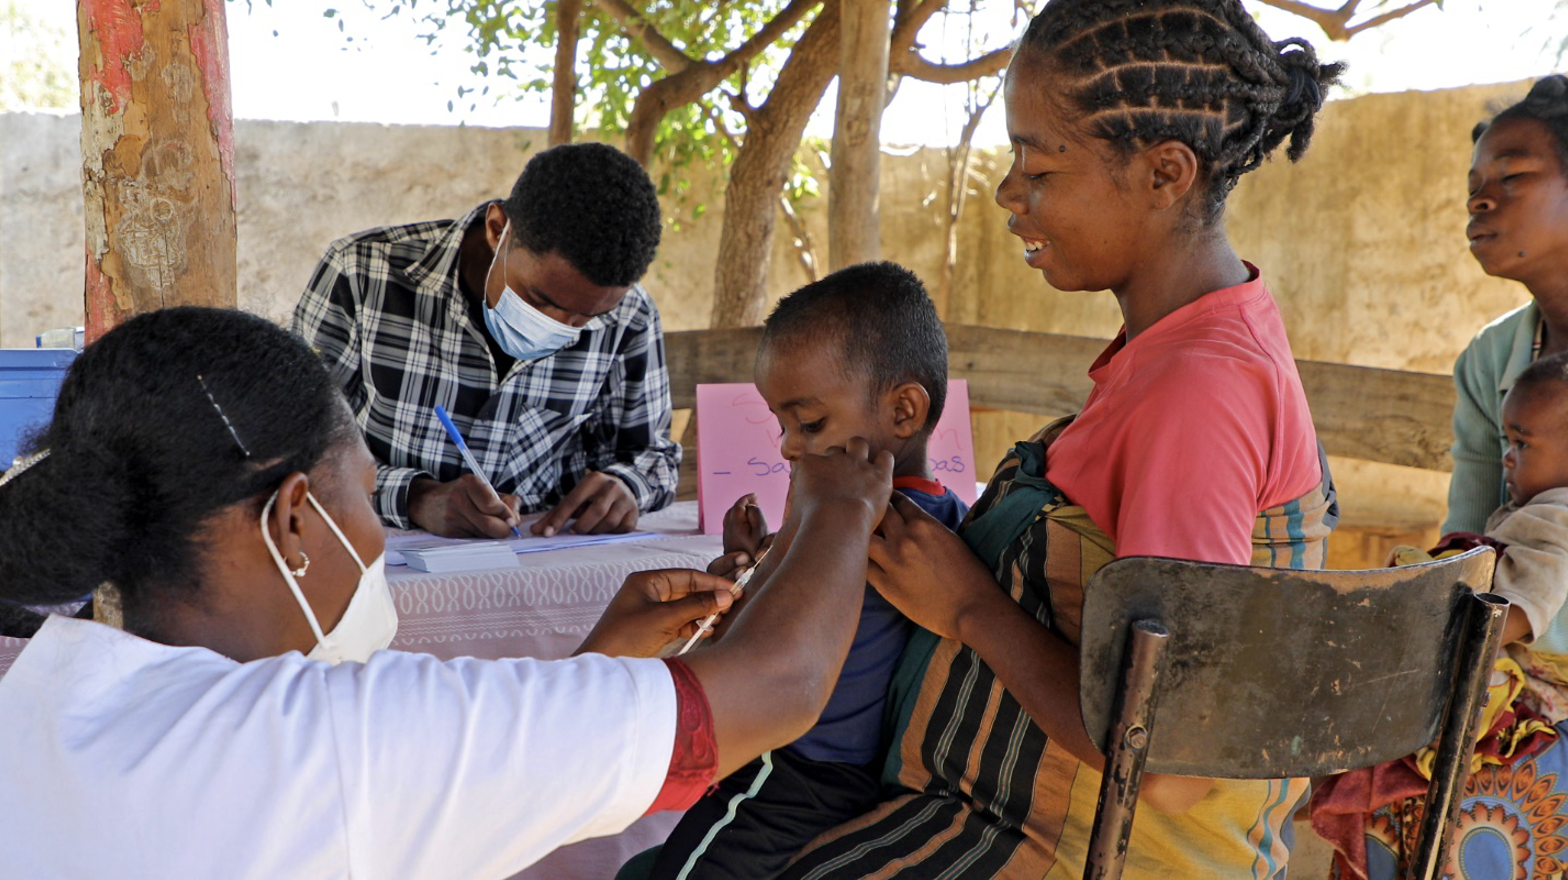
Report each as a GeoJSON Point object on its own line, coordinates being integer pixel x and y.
{"type": "Point", "coordinates": [982, 792]}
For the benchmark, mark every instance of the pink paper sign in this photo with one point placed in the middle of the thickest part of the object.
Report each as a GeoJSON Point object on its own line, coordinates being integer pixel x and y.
{"type": "Point", "coordinates": [738, 451]}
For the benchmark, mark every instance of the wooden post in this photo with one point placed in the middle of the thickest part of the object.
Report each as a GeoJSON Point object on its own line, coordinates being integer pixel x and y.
{"type": "Point", "coordinates": [157, 157]}
{"type": "Point", "coordinates": [853, 230]}
{"type": "Point", "coordinates": [563, 89]}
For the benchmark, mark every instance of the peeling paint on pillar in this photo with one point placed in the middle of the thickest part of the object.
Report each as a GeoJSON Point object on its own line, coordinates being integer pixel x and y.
{"type": "Point", "coordinates": [158, 157]}
{"type": "Point", "coordinates": [119, 30]}
{"type": "Point", "coordinates": [210, 46]}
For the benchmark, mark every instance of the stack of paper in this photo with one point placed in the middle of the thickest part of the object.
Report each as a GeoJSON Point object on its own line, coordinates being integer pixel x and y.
{"type": "Point", "coordinates": [401, 545]}
{"type": "Point", "coordinates": [467, 556]}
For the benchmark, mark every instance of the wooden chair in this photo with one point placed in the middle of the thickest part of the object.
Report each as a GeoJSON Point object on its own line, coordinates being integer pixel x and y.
{"type": "Point", "coordinates": [1264, 673]}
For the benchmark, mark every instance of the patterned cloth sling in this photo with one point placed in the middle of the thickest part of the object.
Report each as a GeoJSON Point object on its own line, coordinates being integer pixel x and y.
{"type": "Point", "coordinates": [978, 790]}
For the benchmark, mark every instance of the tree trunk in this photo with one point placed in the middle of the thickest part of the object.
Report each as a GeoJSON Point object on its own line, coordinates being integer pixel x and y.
{"type": "Point", "coordinates": [563, 88]}
{"type": "Point", "coordinates": [659, 98]}
{"type": "Point", "coordinates": [740, 288]}
{"type": "Point", "coordinates": [958, 173]}
{"type": "Point", "coordinates": [157, 157]}
{"type": "Point", "coordinates": [853, 230]}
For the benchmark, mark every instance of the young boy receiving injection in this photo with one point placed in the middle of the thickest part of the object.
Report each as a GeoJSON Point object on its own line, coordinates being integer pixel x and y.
{"type": "Point", "coordinates": [860, 353]}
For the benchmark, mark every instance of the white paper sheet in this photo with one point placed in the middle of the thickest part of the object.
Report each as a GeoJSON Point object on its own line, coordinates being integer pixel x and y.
{"type": "Point", "coordinates": [396, 544]}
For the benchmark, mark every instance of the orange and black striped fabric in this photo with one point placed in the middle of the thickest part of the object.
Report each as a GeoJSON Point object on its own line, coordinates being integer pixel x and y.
{"type": "Point", "coordinates": [983, 792]}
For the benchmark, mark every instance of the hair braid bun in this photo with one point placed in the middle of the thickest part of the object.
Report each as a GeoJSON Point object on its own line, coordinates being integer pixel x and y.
{"type": "Point", "coordinates": [1304, 97]}
{"type": "Point", "coordinates": [1549, 96]}
{"type": "Point", "coordinates": [1199, 71]}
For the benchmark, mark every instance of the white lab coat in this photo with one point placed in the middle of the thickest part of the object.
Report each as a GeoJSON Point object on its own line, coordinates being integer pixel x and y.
{"type": "Point", "coordinates": [124, 758]}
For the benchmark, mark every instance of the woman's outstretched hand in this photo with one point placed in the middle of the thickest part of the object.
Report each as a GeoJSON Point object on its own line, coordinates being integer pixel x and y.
{"type": "Point", "coordinates": [847, 475]}
{"type": "Point", "coordinates": [769, 678]}
{"type": "Point", "coordinates": [927, 572]}
{"type": "Point", "coordinates": [655, 608]}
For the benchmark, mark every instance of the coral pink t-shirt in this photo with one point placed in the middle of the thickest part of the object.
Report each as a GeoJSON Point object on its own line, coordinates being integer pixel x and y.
{"type": "Point", "coordinates": [1192, 429]}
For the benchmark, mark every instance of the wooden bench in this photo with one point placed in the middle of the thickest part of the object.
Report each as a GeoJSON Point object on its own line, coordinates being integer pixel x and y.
{"type": "Point", "coordinates": [1365, 413]}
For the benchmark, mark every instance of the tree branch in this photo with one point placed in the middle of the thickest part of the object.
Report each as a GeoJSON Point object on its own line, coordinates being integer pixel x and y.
{"type": "Point", "coordinates": [695, 78]}
{"type": "Point", "coordinates": [659, 47]}
{"type": "Point", "coordinates": [958, 172]}
{"type": "Point", "coordinates": [1305, 10]}
{"type": "Point", "coordinates": [739, 104]}
{"type": "Point", "coordinates": [1335, 23]}
{"type": "Point", "coordinates": [911, 64]}
{"type": "Point", "coordinates": [1387, 17]}
{"type": "Point", "coordinates": [673, 59]}
{"type": "Point", "coordinates": [907, 22]}
{"type": "Point", "coordinates": [805, 248]}
{"type": "Point", "coordinates": [787, 18]}
{"type": "Point", "coordinates": [712, 113]}
{"type": "Point", "coordinates": [758, 175]}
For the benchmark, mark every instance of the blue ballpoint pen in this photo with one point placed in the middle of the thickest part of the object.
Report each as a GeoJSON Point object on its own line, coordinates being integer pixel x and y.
{"type": "Point", "coordinates": [468, 457]}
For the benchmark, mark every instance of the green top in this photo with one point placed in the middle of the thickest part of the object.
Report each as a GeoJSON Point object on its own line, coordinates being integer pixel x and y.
{"type": "Point", "coordinates": [1483, 374]}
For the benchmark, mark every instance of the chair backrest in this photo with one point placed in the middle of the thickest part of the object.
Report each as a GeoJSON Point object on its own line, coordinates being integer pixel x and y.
{"type": "Point", "coordinates": [1271, 673]}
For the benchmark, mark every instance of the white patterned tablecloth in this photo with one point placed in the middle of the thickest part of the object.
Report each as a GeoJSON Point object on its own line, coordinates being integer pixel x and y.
{"type": "Point", "coordinates": [548, 603]}
{"type": "Point", "coordinates": [9, 648]}
{"type": "Point", "coordinates": [541, 608]}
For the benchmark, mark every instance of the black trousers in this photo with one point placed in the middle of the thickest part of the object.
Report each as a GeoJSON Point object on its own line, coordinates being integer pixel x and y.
{"type": "Point", "coordinates": [761, 815]}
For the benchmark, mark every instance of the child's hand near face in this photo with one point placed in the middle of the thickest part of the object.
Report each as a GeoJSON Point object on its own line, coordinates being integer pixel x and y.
{"type": "Point", "coordinates": [745, 538]}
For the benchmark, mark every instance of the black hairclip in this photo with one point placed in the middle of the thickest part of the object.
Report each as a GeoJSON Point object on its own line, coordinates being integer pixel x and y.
{"type": "Point", "coordinates": [226, 423]}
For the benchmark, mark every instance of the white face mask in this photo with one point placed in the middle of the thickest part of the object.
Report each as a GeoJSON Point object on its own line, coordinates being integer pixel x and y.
{"type": "Point", "coordinates": [523, 331]}
{"type": "Point", "coordinates": [370, 621]}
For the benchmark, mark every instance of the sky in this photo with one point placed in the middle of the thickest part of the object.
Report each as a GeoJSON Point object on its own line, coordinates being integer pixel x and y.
{"type": "Point", "coordinates": [289, 61]}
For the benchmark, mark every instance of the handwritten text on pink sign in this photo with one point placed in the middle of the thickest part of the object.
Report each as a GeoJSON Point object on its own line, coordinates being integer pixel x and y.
{"type": "Point", "coordinates": [738, 451]}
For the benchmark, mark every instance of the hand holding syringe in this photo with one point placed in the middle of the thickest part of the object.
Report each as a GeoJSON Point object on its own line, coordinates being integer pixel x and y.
{"type": "Point", "coordinates": [707, 622]}
{"type": "Point", "coordinates": [745, 534]}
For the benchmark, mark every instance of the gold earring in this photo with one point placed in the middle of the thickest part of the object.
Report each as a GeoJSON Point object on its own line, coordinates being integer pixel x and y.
{"type": "Point", "coordinates": [304, 565]}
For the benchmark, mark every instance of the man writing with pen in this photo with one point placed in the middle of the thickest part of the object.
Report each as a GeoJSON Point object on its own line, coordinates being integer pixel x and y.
{"type": "Point", "coordinates": [524, 320]}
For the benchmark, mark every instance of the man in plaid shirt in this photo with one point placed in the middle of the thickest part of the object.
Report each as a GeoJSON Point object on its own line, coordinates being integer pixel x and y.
{"type": "Point", "coordinates": [524, 319]}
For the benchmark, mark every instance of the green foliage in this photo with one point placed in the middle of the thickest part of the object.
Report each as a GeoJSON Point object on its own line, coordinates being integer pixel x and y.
{"type": "Point", "coordinates": [37, 67]}
{"type": "Point", "coordinates": [517, 41]}
{"type": "Point", "coordinates": [696, 141]}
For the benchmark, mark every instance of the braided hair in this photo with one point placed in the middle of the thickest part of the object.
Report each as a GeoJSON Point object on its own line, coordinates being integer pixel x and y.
{"type": "Point", "coordinates": [1140, 72]}
{"type": "Point", "coordinates": [161, 425]}
{"type": "Point", "coordinates": [1547, 103]}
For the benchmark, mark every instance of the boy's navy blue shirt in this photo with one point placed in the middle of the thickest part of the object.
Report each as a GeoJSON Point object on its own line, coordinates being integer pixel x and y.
{"type": "Point", "coordinates": [850, 729]}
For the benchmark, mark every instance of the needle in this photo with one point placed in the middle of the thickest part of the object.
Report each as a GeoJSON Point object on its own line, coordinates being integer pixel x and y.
{"type": "Point", "coordinates": [707, 622]}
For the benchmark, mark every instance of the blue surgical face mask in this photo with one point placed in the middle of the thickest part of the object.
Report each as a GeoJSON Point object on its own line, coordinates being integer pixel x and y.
{"type": "Point", "coordinates": [523, 331]}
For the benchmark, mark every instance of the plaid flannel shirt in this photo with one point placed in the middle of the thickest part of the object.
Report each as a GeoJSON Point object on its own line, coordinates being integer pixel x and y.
{"type": "Point", "coordinates": [386, 314]}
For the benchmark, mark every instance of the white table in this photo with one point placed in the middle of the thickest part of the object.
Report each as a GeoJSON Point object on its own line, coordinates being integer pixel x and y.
{"type": "Point", "coordinates": [548, 603]}
{"type": "Point", "coordinates": [541, 608]}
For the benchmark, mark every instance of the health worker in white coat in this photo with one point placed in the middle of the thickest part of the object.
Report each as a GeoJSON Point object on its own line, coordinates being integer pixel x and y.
{"type": "Point", "coordinates": [202, 472]}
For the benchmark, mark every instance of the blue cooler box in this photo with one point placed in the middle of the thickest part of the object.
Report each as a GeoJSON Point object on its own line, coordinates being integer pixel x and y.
{"type": "Point", "coordinates": [29, 382]}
